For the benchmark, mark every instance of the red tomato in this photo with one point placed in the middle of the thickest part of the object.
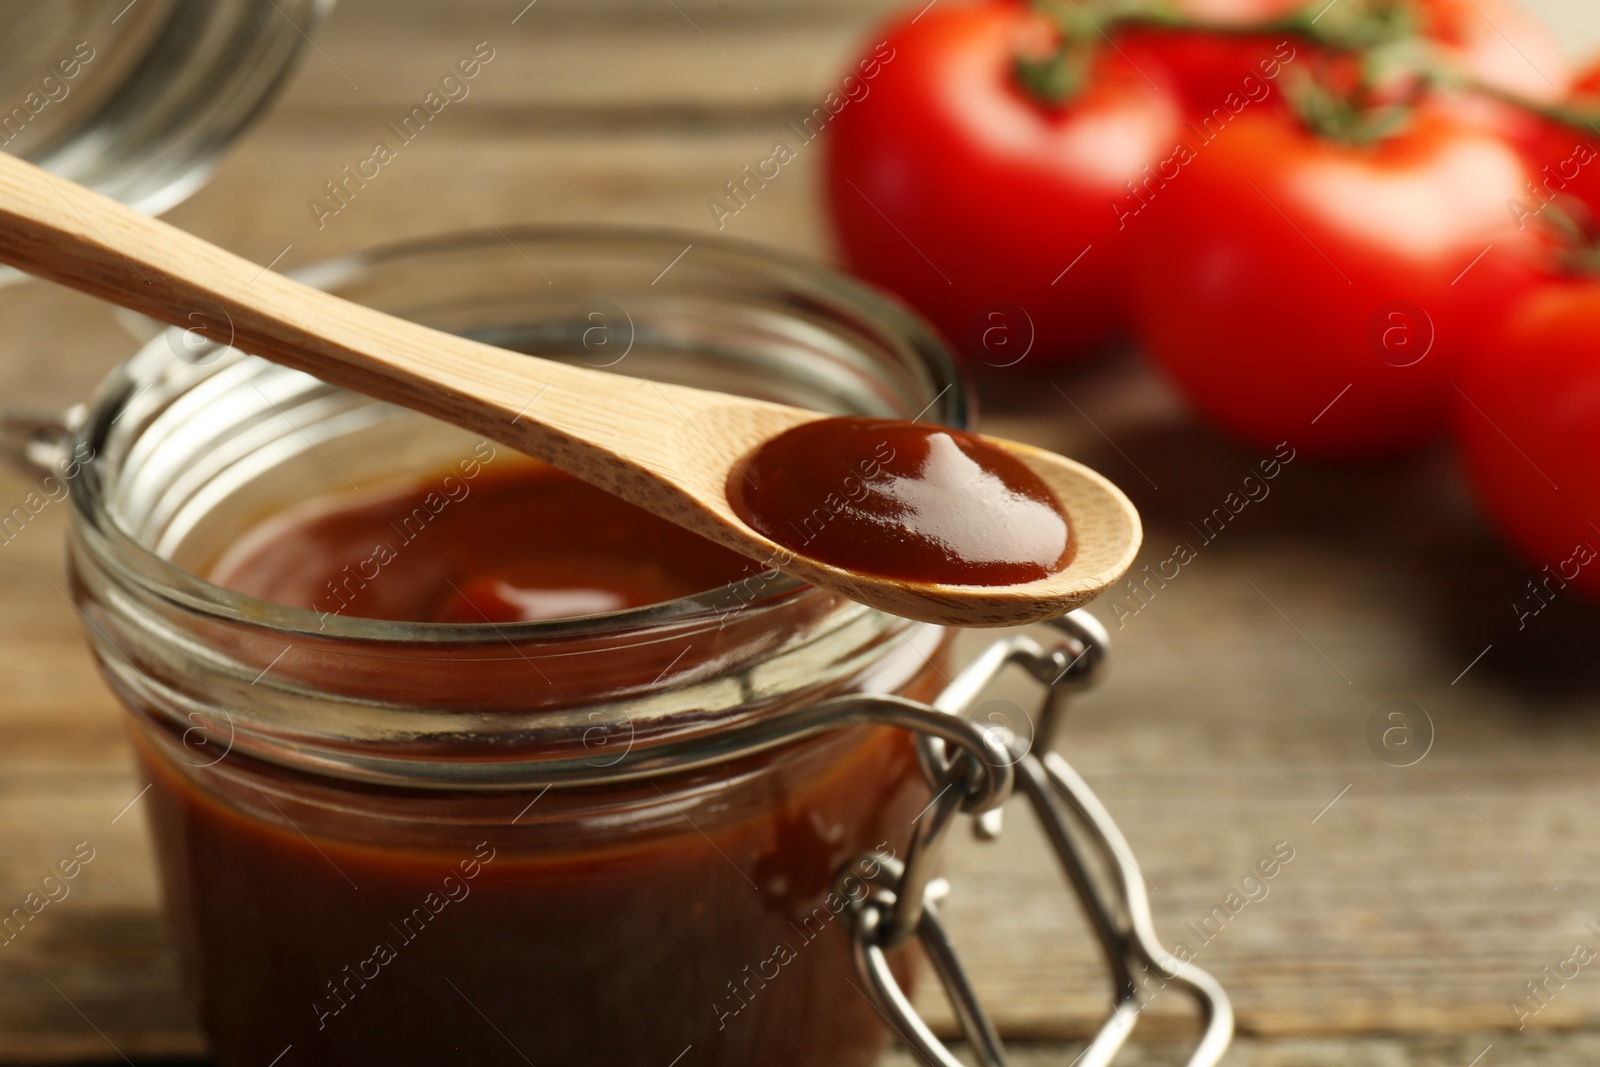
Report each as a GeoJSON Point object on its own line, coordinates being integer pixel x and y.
{"type": "Point", "coordinates": [1528, 422]}
{"type": "Point", "coordinates": [1306, 290]}
{"type": "Point", "coordinates": [989, 212]}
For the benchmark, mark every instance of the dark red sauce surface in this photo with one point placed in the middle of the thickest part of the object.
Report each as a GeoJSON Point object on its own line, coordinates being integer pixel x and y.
{"type": "Point", "coordinates": [499, 546]}
{"type": "Point", "coordinates": [687, 920]}
{"type": "Point", "coordinates": [903, 500]}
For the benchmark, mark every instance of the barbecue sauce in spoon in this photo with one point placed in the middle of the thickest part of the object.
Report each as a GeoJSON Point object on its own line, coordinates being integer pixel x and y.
{"type": "Point", "coordinates": [903, 500]}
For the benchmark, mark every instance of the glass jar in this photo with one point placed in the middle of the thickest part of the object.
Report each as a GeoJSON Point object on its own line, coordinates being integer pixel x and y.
{"type": "Point", "coordinates": [138, 99]}
{"type": "Point", "coordinates": [393, 842]}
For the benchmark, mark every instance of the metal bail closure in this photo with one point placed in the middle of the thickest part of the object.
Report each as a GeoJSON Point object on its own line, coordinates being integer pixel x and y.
{"type": "Point", "coordinates": [34, 442]}
{"type": "Point", "coordinates": [1093, 854]}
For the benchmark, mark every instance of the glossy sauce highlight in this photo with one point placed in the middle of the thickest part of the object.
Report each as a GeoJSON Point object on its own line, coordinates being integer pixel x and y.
{"type": "Point", "coordinates": [903, 500]}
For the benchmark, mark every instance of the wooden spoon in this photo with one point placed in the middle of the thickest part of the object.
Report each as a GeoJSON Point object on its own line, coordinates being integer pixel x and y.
{"type": "Point", "coordinates": [667, 448]}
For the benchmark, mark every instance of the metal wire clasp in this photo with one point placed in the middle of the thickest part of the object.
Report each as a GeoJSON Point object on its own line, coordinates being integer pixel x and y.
{"type": "Point", "coordinates": [1093, 854]}
{"type": "Point", "coordinates": [34, 441]}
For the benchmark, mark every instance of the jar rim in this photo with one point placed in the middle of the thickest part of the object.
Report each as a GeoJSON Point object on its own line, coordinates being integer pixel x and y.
{"type": "Point", "coordinates": [952, 405]}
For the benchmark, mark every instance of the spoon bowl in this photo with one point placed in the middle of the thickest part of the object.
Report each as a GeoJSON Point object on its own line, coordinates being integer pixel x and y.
{"type": "Point", "coordinates": [666, 448]}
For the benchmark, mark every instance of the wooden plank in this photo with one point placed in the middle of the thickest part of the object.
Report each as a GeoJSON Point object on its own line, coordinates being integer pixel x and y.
{"type": "Point", "coordinates": [715, 66]}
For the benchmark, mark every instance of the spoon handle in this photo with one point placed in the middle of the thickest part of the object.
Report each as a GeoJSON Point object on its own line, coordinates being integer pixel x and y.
{"type": "Point", "coordinates": [661, 446]}
{"type": "Point", "coordinates": [55, 229]}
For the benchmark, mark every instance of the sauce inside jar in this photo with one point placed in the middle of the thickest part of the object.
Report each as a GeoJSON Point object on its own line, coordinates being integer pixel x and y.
{"type": "Point", "coordinates": [690, 919]}
{"type": "Point", "coordinates": [522, 545]}
{"type": "Point", "coordinates": [903, 500]}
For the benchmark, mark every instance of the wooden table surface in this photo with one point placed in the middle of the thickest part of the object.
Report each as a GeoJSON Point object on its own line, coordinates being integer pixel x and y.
{"type": "Point", "coordinates": [1419, 900]}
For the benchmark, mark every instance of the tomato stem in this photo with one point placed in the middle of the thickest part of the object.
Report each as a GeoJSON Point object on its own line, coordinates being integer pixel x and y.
{"type": "Point", "coordinates": [1350, 26]}
{"type": "Point", "coordinates": [1583, 116]}
{"type": "Point", "coordinates": [1385, 35]}
{"type": "Point", "coordinates": [1337, 117]}
{"type": "Point", "coordinates": [1577, 239]}
{"type": "Point", "coordinates": [1059, 77]}
{"type": "Point", "coordinates": [1082, 28]}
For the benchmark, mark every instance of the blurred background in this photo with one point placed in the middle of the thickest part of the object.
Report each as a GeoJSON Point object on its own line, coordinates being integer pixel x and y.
{"type": "Point", "coordinates": [1424, 891]}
